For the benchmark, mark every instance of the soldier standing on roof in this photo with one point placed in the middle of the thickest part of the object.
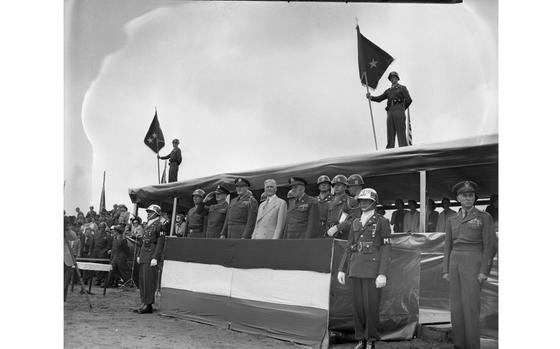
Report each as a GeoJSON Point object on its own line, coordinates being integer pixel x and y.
{"type": "Point", "coordinates": [398, 100]}
{"type": "Point", "coordinates": [175, 160]}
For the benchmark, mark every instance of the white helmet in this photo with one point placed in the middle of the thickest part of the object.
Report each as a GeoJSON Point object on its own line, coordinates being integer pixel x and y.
{"type": "Point", "coordinates": [154, 208]}
{"type": "Point", "coordinates": [368, 194]}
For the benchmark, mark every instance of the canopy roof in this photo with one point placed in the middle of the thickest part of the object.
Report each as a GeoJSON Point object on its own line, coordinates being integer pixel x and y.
{"type": "Point", "coordinates": [393, 173]}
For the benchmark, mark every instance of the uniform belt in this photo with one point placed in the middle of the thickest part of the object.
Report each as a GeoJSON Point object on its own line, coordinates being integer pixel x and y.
{"type": "Point", "coordinates": [467, 247]}
{"type": "Point", "coordinates": [363, 247]}
{"type": "Point", "coordinates": [394, 101]}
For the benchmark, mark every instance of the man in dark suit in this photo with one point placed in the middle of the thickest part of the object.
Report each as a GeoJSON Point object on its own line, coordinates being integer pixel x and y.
{"type": "Point", "coordinates": [365, 263]}
{"type": "Point", "coordinates": [153, 240]}
{"type": "Point", "coordinates": [302, 219]}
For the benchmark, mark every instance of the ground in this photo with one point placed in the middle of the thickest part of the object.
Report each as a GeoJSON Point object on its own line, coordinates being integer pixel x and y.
{"type": "Point", "coordinates": [112, 324]}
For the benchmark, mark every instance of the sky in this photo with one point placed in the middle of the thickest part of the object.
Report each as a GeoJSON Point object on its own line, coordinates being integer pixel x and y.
{"type": "Point", "coordinates": [249, 85]}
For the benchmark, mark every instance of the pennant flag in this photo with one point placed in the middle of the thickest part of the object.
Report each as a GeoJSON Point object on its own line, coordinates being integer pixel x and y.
{"type": "Point", "coordinates": [372, 61]}
{"type": "Point", "coordinates": [163, 177]}
{"type": "Point", "coordinates": [102, 199]}
{"type": "Point", "coordinates": [409, 129]}
{"type": "Point", "coordinates": [154, 138]}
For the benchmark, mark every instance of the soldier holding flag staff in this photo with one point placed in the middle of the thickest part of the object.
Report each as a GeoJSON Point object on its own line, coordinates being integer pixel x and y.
{"type": "Point", "coordinates": [175, 160]}
{"type": "Point", "coordinates": [365, 262]}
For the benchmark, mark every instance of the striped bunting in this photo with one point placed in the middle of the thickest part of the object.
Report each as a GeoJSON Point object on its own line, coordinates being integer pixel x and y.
{"type": "Point", "coordinates": [279, 288]}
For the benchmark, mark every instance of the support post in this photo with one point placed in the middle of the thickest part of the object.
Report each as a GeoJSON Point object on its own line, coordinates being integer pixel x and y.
{"type": "Point", "coordinates": [173, 215]}
{"type": "Point", "coordinates": [423, 201]}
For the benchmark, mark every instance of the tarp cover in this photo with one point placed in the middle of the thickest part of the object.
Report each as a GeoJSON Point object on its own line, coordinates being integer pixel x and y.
{"type": "Point", "coordinates": [392, 172]}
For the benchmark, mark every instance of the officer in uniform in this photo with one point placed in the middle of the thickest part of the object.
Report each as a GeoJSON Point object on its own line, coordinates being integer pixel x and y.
{"type": "Point", "coordinates": [365, 261]}
{"type": "Point", "coordinates": [302, 218]}
{"type": "Point", "coordinates": [119, 255]}
{"type": "Point", "coordinates": [153, 240]}
{"type": "Point", "coordinates": [355, 186]}
{"type": "Point", "coordinates": [175, 160]}
{"type": "Point", "coordinates": [242, 213]}
{"type": "Point", "coordinates": [398, 100]}
{"type": "Point", "coordinates": [291, 196]}
{"type": "Point", "coordinates": [470, 245]}
{"type": "Point", "coordinates": [339, 210]}
{"type": "Point", "coordinates": [323, 200]}
{"type": "Point", "coordinates": [217, 211]}
{"type": "Point", "coordinates": [196, 215]}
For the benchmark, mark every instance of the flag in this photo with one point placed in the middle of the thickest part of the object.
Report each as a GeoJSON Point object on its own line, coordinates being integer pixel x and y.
{"type": "Point", "coordinates": [372, 61]}
{"type": "Point", "coordinates": [163, 177]}
{"type": "Point", "coordinates": [102, 199]}
{"type": "Point", "coordinates": [408, 129]}
{"type": "Point", "coordinates": [154, 138]}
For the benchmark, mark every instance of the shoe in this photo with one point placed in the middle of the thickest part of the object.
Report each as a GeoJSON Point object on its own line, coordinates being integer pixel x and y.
{"type": "Point", "coordinates": [138, 311]}
{"type": "Point", "coordinates": [361, 344]}
{"type": "Point", "coordinates": [146, 310]}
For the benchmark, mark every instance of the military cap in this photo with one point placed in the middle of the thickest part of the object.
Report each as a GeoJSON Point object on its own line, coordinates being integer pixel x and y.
{"type": "Point", "coordinates": [296, 180]}
{"type": "Point", "coordinates": [239, 182]}
{"type": "Point", "coordinates": [340, 179]}
{"type": "Point", "coordinates": [355, 179]}
{"type": "Point", "coordinates": [221, 189]}
{"type": "Point", "coordinates": [291, 194]}
{"type": "Point", "coordinates": [175, 141]}
{"type": "Point", "coordinates": [154, 208]}
{"type": "Point", "coordinates": [464, 187]}
{"type": "Point", "coordinates": [323, 179]}
{"type": "Point", "coordinates": [393, 73]}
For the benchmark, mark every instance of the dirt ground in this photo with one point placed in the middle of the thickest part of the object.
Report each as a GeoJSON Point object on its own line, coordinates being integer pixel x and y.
{"type": "Point", "coordinates": [112, 324]}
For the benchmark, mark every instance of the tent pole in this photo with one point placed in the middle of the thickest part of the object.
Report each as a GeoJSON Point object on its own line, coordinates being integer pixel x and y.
{"type": "Point", "coordinates": [173, 215]}
{"type": "Point", "coordinates": [423, 201]}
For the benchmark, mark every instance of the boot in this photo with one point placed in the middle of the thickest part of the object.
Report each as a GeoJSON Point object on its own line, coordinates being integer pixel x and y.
{"type": "Point", "coordinates": [146, 310]}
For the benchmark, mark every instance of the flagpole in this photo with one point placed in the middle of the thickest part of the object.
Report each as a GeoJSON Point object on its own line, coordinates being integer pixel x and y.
{"type": "Point", "coordinates": [370, 111]}
{"type": "Point", "coordinates": [102, 193]}
{"type": "Point", "coordinates": [409, 128]}
{"type": "Point", "coordinates": [157, 158]}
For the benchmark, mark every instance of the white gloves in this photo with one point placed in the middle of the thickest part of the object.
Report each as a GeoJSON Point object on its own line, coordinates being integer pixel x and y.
{"type": "Point", "coordinates": [138, 260]}
{"type": "Point", "coordinates": [341, 278]}
{"type": "Point", "coordinates": [381, 281]}
{"type": "Point", "coordinates": [482, 277]}
{"type": "Point", "coordinates": [332, 230]}
{"type": "Point", "coordinates": [153, 262]}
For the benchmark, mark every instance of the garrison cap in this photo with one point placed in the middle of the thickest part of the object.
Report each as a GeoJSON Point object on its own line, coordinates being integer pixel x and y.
{"type": "Point", "coordinates": [297, 180]}
{"type": "Point", "coordinates": [240, 182]}
{"type": "Point", "coordinates": [393, 73]}
{"type": "Point", "coordinates": [464, 187]}
{"type": "Point", "coordinates": [323, 179]}
{"type": "Point", "coordinates": [222, 189]}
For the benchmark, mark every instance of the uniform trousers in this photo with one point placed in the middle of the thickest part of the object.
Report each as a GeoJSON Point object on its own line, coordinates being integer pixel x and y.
{"type": "Point", "coordinates": [366, 298]}
{"type": "Point", "coordinates": [148, 281]}
{"type": "Point", "coordinates": [173, 170]}
{"type": "Point", "coordinates": [396, 125]}
{"type": "Point", "coordinates": [464, 292]}
{"type": "Point", "coordinates": [119, 269]}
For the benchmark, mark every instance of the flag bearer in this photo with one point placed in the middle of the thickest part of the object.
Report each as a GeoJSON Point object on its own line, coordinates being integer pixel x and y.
{"type": "Point", "coordinates": [175, 160]}
{"type": "Point", "coordinates": [470, 245]}
{"type": "Point", "coordinates": [365, 263]}
{"type": "Point", "coordinates": [398, 100]}
{"type": "Point", "coordinates": [150, 253]}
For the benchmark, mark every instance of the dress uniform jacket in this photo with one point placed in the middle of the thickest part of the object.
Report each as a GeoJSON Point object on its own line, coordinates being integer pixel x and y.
{"type": "Point", "coordinates": [216, 218]}
{"type": "Point", "coordinates": [302, 219]}
{"type": "Point", "coordinates": [175, 160]}
{"type": "Point", "coordinates": [339, 205]}
{"type": "Point", "coordinates": [323, 204]}
{"type": "Point", "coordinates": [442, 218]}
{"type": "Point", "coordinates": [152, 242]}
{"type": "Point", "coordinates": [195, 221]}
{"type": "Point", "coordinates": [241, 217]}
{"type": "Point", "coordinates": [271, 218]}
{"type": "Point", "coordinates": [368, 250]}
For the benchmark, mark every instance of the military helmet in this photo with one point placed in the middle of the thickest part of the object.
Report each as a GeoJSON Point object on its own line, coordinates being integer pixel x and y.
{"type": "Point", "coordinates": [199, 192]}
{"type": "Point", "coordinates": [154, 208]}
{"type": "Point", "coordinates": [393, 73]}
{"type": "Point", "coordinates": [368, 194]}
{"type": "Point", "coordinates": [291, 194]}
{"type": "Point", "coordinates": [323, 179]}
{"type": "Point", "coordinates": [355, 179]}
{"type": "Point", "coordinates": [340, 179]}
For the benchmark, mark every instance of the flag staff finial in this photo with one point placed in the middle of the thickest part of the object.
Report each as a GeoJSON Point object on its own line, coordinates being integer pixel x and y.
{"type": "Point", "coordinates": [155, 107]}
{"type": "Point", "coordinates": [357, 25]}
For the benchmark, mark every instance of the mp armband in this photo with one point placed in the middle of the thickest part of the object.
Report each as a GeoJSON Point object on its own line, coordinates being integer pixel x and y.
{"type": "Point", "coordinates": [385, 241]}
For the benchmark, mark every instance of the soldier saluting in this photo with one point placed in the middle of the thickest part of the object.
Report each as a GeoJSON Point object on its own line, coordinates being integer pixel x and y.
{"type": "Point", "coordinates": [365, 262]}
{"type": "Point", "coordinates": [398, 100]}
{"type": "Point", "coordinates": [150, 253]}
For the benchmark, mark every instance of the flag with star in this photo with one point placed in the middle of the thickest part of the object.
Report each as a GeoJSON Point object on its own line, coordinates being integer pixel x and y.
{"type": "Point", "coordinates": [372, 61]}
{"type": "Point", "coordinates": [154, 138]}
